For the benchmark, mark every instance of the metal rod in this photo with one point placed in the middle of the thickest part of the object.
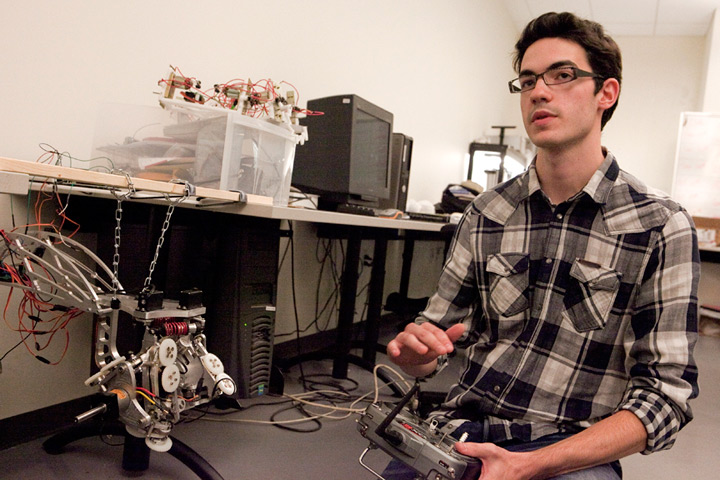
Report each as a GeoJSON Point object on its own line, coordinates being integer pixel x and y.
{"type": "Point", "coordinates": [367, 467]}
{"type": "Point", "coordinates": [100, 409]}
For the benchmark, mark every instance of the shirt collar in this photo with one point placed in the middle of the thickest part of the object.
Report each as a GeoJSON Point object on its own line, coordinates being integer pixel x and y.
{"type": "Point", "coordinates": [602, 181]}
{"type": "Point", "coordinates": [598, 187]}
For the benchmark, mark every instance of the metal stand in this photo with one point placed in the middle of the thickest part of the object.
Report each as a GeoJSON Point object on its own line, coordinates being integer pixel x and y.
{"type": "Point", "coordinates": [136, 454]}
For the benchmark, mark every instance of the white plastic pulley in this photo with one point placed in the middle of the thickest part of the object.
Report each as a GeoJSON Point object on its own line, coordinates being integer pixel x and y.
{"type": "Point", "coordinates": [158, 444]}
{"type": "Point", "coordinates": [167, 352]}
{"type": "Point", "coordinates": [135, 431]}
{"type": "Point", "coordinates": [170, 378]}
{"type": "Point", "coordinates": [226, 384]}
{"type": "Point", "coordinates": [212, 364]}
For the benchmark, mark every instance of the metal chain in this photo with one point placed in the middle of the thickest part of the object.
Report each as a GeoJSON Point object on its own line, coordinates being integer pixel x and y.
{"type": "Point", "coordinates": [116, 255]}
{"type": "Point", "coordinates": [189, 190]}
{"type": "Point", "coordinates": [161, 240]}
{"type": "Point", "coordinates": [118, 219]}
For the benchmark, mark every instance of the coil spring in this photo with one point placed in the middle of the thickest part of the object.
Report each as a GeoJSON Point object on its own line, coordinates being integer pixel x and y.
{"type": "Point", "coordinates": [175, 328]}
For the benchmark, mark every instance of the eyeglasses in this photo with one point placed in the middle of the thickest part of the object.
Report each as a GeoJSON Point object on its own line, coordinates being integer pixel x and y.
{"type": "Point", "coordinates": [553, 76]}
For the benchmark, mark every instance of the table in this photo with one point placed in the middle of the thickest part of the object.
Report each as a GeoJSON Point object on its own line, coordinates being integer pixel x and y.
{"type": "Point", "coordinates": [354, 228]}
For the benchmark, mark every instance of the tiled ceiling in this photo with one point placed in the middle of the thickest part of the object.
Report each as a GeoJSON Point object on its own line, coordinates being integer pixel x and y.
{"type": "Point", "coordinates": [626, 17]}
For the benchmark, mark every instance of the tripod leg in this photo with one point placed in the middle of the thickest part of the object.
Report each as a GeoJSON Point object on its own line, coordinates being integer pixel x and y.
{"type": "Point", "coordinates": [136, 454]}
{"type": "Point", "coordinates": [191, 459]}
{"type": "Point", "coordinates": [56, 444]}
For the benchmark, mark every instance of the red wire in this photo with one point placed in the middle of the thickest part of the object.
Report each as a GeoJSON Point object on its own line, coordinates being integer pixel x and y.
{"type": "Point", "coordinates": [31, 306]}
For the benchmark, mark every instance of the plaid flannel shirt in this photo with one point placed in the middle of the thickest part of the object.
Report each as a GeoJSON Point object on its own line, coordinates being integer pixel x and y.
{"type": "Point", "coordinates": [575, 311]}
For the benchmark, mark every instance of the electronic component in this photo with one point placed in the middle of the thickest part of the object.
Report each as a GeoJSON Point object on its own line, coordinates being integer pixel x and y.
{"type": "Point", "coordinates": [190, 299]}
{"type": "Point", "coordinates": [176, 81]}
{"type": "Point", "coordinates": [149, 301]}
{"type": "Point", "coordinates": [348, 157]}
{"type": "Point", "coordinates": [354, 209]}
{"type": "Point", "coordinates": [415, 442]}
{"type": "Point", "coordinates": [148, 390]}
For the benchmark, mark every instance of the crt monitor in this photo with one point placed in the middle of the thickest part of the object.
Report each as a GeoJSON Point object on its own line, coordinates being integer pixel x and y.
{"type": "Point", "coordinates": [346, 159]}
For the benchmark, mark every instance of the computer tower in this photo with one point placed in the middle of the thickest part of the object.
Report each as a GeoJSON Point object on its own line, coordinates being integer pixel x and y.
{"type": "Point", "coordinates": [400, 155]}
{"type": "Point", "coordinates": [241, 306]}
{"type": "Point", "coordinates": [246, 343]}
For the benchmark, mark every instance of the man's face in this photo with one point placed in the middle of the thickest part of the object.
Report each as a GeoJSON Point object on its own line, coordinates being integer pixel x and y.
{"type": "Point", "coordinates": [559, 116]}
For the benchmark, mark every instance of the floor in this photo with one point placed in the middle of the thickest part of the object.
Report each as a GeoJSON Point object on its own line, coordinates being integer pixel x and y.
{"type": "Point", "coordinates": [254, 450]}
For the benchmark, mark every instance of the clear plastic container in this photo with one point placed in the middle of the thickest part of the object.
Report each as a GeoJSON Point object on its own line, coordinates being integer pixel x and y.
{"type": "Point", "coordinates": [207, 146]}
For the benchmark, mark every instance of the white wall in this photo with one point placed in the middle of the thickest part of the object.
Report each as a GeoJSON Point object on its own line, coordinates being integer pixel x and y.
{"type": "Point", "coordinates": [662, 77]}
{"type": "Point", "coordinates": [440, 67]}
{"type": "Point", "coordinates": [711, 97]}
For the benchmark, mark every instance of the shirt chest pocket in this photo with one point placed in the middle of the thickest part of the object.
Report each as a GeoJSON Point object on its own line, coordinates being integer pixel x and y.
{"type": "Point", "coordinates": [590, 295]}
{"type": "Point", "coordinates": [508, 283]}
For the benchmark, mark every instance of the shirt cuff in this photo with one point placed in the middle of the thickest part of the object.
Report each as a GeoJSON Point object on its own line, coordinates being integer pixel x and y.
{"type": "Point", "coordinates": [661, 420]}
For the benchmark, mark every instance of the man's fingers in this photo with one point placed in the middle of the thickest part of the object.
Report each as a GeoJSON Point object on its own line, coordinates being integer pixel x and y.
{"type": "Point", "coordinates": [392, 349]}
{"type": "Point", "coordinates": [482, 451]}
{"type": "Point", "coordinates": [424, 340]}
{"type": "Point", "coordinates": [411, 341]}
{"type": "Point", "coordinates": [455, 332]}
{"type": "Point", "coordinates": [433, 337]}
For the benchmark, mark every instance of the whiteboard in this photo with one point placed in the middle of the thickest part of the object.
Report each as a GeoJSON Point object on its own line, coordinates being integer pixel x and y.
{"type": "Point", "coordinates": [696, 182]}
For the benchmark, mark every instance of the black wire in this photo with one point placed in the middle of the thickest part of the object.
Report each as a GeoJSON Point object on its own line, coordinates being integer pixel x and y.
{"type": "Point", "coordinates": [293, 429]}
{"type": "Point", "coordinates": [331, 301]}
{"type": "Point", "coordinates": [334, 295]}
{"type": "Point", "coordinates": [282, 259]}
{"type": "Point", "coordinates": [12, 211]}
{"type": "Point", "coordinates": [319, 281]}
{"type": "Point", "coordinates": [222, 413]}
{"type": "Point", "coordinates": [16, 345]}
{"type": "Point", "coordinates": [314, 204]}
{"type": "Point", "coordinates": [333, 383]}
{"type": "Point", "coordinates": [323, 256]}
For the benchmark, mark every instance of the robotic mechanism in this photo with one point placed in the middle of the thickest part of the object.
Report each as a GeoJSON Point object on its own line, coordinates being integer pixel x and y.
{"type": "Point", "coordinates": [417, 443]}
{"type": "Point", "coordinates": [146, 391]}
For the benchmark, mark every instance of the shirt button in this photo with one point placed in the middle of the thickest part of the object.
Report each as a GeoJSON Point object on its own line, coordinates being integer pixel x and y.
{"type": "Point", "coordinates": [548, 261]}
{"type": "Point", "coordinates": [559, 216]}
{"type": "Point", "coordinates": [496, 389]}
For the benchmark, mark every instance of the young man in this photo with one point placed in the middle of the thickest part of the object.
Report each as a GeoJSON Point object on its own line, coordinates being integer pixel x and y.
{"type": "Point", "coordinates": [573, 284]}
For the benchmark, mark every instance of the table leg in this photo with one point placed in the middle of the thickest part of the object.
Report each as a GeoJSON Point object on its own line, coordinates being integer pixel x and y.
{"type": "Point", "coordinates": [375, 300]}
{"type": "Point", "coordinates": [346, 314]}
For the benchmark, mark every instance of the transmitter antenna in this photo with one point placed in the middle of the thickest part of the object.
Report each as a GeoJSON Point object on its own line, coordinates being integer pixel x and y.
{"type": "Point", "coordinates": [381, 429]}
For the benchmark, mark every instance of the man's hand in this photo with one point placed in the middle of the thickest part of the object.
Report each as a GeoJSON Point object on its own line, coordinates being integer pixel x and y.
{"type": "Point", "coordinates": [612, 438]}
{"type": "Point", "coordinates": [422, 344]}
{"type": "Point", "coordinates": [497, 463]}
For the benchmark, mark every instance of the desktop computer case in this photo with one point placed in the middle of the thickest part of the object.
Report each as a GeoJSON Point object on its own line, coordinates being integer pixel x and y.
{"type": "Point", "coordinates": [400, 156]}
{"type": "Point", "coordinates": [241, 311]}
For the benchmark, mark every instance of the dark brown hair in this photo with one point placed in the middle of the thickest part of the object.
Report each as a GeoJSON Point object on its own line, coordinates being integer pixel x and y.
{"type": "Point", "coordinates": [603, 53]}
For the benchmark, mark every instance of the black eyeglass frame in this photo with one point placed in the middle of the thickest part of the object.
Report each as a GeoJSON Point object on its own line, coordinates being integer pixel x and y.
{"type": "Point", "coordinates": [577, 72]}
